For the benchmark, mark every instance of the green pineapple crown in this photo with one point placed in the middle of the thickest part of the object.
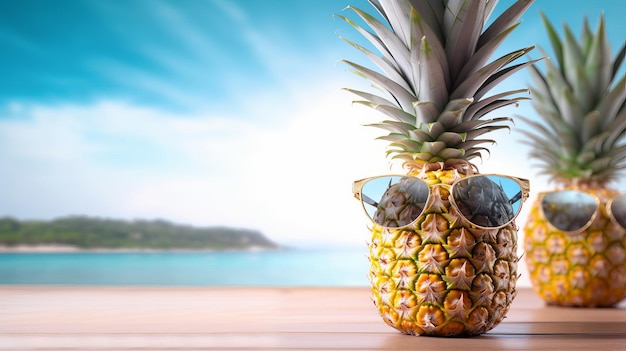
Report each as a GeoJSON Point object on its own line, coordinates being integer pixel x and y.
{"type": "Point", "coordinates": [434, 75]}
{"type": "Point", "coordinates": [581, 103]}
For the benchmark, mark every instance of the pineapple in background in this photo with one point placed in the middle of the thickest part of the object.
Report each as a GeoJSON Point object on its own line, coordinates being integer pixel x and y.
{"type": "Point", "coordinates": [575, 236]}
{"type": "Point", "coordinates": [443, 249]}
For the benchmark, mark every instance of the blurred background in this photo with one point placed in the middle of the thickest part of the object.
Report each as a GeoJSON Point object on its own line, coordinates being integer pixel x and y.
{"type": "Point", "coordinates": [209, 113]}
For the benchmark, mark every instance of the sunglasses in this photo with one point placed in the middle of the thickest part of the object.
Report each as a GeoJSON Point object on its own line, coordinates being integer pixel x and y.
{"type": "Point", "coordinates": [574, 211]}
{"type": "Point", "coordinates": [487, 201]}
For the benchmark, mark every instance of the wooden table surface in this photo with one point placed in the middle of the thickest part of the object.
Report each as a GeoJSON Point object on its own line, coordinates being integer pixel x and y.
{"type": "Point", "coordinates": [146, 318]}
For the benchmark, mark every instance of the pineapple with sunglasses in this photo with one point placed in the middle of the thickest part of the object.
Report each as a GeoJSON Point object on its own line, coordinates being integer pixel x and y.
{"type": "Point", "coordinates": [443, 247]}
{"type": "Point", "coordinates": [575, 236]}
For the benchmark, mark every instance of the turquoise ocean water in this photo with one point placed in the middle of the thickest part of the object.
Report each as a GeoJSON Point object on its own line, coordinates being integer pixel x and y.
{"type": "Point", "coordinates": [297, 267]}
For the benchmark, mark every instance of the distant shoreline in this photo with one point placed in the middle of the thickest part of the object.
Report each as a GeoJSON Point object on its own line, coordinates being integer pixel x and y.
{"type": "Point", "coordinates": [95, 234]}
{"type": "Point", "coordinates": [70, 249]}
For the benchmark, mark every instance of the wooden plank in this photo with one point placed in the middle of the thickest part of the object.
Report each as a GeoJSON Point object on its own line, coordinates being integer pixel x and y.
{"type": "Point", "coordinates": [266, 318]}
{"type": "Point", "coordinates": [313, 341]}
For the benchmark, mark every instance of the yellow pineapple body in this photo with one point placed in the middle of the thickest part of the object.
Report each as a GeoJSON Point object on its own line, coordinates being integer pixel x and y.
{"type": "Point", "coordinates": [443, 276]}
{"type": "Point", "coordinates": [586, 269]}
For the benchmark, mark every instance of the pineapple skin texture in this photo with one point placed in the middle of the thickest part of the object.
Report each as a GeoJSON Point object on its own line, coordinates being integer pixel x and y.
{"type": "Point", "coordinates": [586, 269]}
{"type": "Point", "coordinates": [443, 277]}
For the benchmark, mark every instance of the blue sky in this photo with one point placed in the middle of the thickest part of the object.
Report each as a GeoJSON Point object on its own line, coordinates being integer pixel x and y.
{"type": "Point", "coordinates": [208, 112]}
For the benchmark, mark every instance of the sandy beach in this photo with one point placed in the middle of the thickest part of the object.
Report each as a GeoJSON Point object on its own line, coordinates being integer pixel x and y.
{"type": "Point", "coordinates": [160, 318]}
{"type": "Point", "coordinates": [38, 248]}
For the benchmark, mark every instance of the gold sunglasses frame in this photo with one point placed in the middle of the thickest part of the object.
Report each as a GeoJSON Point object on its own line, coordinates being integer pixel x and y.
{"type": "Point", "coordinates": [524, 184]}
{"type": "Point", "coordinates": [608, 209]}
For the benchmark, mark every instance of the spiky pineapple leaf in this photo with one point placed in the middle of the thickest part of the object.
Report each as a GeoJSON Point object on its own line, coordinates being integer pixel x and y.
{"type": "Point", "coordinates": [570, 108]}
{"type": "Point", "coordinates": [619, 58]}
{"type": "Point", "coordinates": [373, 39]}
{"type": "Point", "coordinates": [613, 101]}
{"type": "Point", "coordinates": [422, 32]}
{"type": "Point", "coordinates": [505, 20]}
{"type": "Point", "coordinates": [425, 112]}
{"type": "Point", "coordinates": [375, 99]}
{"type": "Point", "coordinates": [386, 66]}
{"type": "Point", "coordinates": [397, 114]}
{"type": "Point", "coordinates": [463, 22]}
{"type": "Point", "coordinates": [476, 152]}
{"type": "Point", "coordinates": [484, 53]}
{"type": "Point", "coordinates": [392, 44]}
{"type": "Point", "coordinates": [459, 104]}
{"type": "Point", "coordinates": [397, 14]}
{"type": "Point", "coordinates": [471, 144]}
{"type": "Point", "coordinates": [555, 40]}
{"type": "Point", "coordinates": [454, 112]}
{"type": "Point", "coordinates": [548, 138]}
{"type": "Point", "coordinates": [591, 125]}
{"type": "Point", "coordinates": [502, 75]}
{"type": "Point", "coordinates": [470, 125]}
{"type": "Point", "coordinates": [430, 77]}
{"type": "Point", "coordinates": [433, 147]}
{"type": "Point", "coordinates": [543, 103]}
{"type": "Point", "coordinates": [597, 66]}
{"type": "Point", "coordinates": [402, 96]}
{"type": "Point", "coordinates": [483, 105]}
{"type": "Point", "coordinates": [494, 105]}
{"type": "Point", "coordinates": [452, 139]}
{"type": "Point", "coordinates": [393, 137]}
{"type": "Point", "coordinates": [431, 12]}
{"type": "Point", "coordinates": [451, 154]}
{"type": "Point", "coordinates": [572, 56]}
{"type": "Point", "coordinates": [393, 126]}
{"type": "Point", "coordinates": [473, 83]}
{"type": "Point", "coordinates": [417, 134]}
{"type": "Point", "coordinates": [406, 145]}
{"type": "Point", "coordinates": [616, 128]}
{"type": "Point", "coordinates": [433, 129]}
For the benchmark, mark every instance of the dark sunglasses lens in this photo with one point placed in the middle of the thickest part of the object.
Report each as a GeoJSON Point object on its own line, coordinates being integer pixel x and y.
{"type": "Point", "coordinates": [618, 208]}
{"type": "Point", "coordinates": [568, 210]}
{"type": "Point", "coordinates": [488, 201]}
{"type": "Point", "coordinates": [394, 201]}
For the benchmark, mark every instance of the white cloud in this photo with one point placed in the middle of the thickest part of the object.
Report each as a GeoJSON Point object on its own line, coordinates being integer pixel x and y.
{"type": "Point", "coordinates": [290, 178]}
